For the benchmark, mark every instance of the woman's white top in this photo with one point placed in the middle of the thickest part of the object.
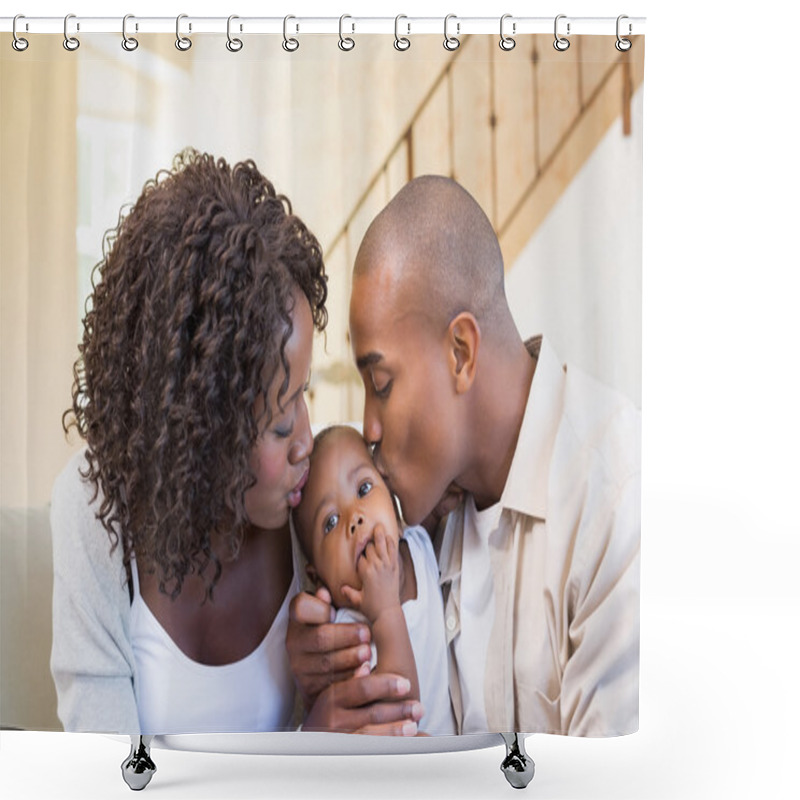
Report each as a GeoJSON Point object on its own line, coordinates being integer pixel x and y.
{"type": "Point", "coordinates": [179, 695]}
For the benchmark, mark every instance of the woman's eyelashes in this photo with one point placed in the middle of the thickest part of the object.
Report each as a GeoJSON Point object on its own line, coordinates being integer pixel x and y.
{"type": "Point", "coordinates": [285, 429]}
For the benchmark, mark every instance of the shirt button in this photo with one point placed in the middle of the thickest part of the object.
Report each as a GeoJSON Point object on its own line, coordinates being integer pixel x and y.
{"type": "Point", "coordinates": [451, 623]}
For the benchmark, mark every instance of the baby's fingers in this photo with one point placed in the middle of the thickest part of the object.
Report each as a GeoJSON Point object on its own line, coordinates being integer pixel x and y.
{"type": "Point", "coordinates": [391, 549]}
{"type": "Point", "coordinates": [353, 596]}
{"type": "Point", "coordinates": [380, 540]}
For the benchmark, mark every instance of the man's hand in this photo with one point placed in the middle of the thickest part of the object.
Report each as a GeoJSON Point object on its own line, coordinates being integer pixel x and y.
{"type": "Point", "coordinates": [321, 652]}
{"type": "Point", "coordinates": [379, 571]}
{"type": "Point", "coordinates": [372, 704]}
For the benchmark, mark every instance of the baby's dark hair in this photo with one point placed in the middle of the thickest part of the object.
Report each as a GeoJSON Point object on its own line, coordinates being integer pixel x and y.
{"type": "Point", "coordinates": [186, 327]}
{"type": "Point", "coordinates": [326, 432]}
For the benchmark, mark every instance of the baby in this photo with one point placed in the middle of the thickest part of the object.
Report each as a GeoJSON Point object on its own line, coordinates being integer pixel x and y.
{"type": "Point", "coordinates": [347, 526]}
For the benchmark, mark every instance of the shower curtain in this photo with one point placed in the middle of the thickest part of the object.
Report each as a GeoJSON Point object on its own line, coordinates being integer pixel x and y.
{"type": "Point", "coordinates": [546, 139]}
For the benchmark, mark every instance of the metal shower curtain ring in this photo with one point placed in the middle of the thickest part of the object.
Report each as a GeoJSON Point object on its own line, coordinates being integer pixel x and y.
{"type": "Point", "coordinates": [129, 43]}
{"type": "Point", "coordinates": [289, 44]}
{"type": "Point", "coordinates": [623, 45]}
{"type": "Point", "coordinates": [451, 42]}
{"type": "Point", "coordinates": [183, 43]}
{"type": "Point", "coordinates": [71, 43]}
{"type": "Point", "coordinates": [345, 42]}
{"type": "Point", "coordinates": [561, 43]}
{"type": "Point", "coordinates": [18, 43]}
{"type": "Point", "coordinates": [234, 45]}
{"type": "Point", "coordinates": [401, 42]}
{"type": "Point", "coordinates": [507, 42]}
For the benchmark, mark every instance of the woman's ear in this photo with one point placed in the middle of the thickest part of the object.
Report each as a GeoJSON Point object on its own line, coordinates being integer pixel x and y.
{"type": "Point", "coordinates": [464, 339]}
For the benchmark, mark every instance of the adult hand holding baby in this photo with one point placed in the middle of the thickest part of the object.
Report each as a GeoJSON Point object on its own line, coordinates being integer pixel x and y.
{"type": "Point", "coordinates": [330, 663]}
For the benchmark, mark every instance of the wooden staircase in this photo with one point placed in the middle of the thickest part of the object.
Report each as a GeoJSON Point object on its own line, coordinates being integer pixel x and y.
{"type": "Point", "coordinates": [514, 128]}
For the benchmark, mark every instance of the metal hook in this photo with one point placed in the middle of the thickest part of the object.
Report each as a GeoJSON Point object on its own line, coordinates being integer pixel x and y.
{"type": "Point", "coordinates": [128, 42]}
{"type": "Point", "coordinates": [234, 45]}
{"type": "Point", "coordinates": [183, 43]}
{"type": "Point", "coordinates": [18, 43]}
{"type": "Point", "coordinates": [561, 44]}
{"type": "Point", "coordinates": [345, 42]}
{"type": "Point", "coordinates": [401, 42]}
{"type": "Point", "coordinates": [70, 42]}
{"type": "Point", "coordinates": [506, 42]}
{"type": "Point", "coordinates": [451, 42]}
{"type": "Point", "coordinates": [623, 45]}
{"type": "Point", "coordinates": [289, 44]}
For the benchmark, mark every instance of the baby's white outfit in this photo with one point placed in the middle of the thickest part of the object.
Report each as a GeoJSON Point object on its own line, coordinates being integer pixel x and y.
{"type": "Point", "coordinates": [425, 620]}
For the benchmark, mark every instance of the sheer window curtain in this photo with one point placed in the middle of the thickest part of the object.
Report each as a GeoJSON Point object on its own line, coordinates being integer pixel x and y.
{"type": "Point", "coordinates": [39, 289]}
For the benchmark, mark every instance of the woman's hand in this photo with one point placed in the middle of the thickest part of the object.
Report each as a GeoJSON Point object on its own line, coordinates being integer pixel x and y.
{"type": "Point", "coordinates": [370, 704]}
{"type": "Point", "coordinates": [321, 652]}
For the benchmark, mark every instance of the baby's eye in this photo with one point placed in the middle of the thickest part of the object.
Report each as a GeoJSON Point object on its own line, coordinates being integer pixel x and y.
{"type": "Point", "coordinates": [331, 521]}
{"type": "Point", "coordinates": [365, 488]}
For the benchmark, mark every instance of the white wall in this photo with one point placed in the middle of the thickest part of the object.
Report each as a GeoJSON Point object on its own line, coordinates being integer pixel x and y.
{"type": "Point", "coordinates": [579, 279]}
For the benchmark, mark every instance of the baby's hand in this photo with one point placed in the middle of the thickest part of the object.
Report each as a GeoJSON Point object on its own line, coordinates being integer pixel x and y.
{"type": "Point", "coordinates": [379, 570]}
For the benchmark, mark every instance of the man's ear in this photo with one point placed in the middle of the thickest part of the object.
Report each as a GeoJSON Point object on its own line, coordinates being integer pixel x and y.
{"type": "Point", "coordinates": [464, 339]}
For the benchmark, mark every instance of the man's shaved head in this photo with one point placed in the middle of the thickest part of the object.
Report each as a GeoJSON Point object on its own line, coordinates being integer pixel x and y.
{"type": "Point", "coordinates": [434, 342]}
{"type": "Point", "coordinates": [440, 249]}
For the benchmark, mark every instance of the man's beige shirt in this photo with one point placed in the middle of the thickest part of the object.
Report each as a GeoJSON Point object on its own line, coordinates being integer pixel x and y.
{"type": "Point", "coordinates": [563, 653]}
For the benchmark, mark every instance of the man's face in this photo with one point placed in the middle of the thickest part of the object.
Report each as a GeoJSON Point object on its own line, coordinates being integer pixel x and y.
{"type": "Point", "coordinates": [409, 409]}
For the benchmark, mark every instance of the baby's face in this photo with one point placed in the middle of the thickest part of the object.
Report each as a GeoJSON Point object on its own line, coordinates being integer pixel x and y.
{"type": "Point", "coordinates": [343, 502]}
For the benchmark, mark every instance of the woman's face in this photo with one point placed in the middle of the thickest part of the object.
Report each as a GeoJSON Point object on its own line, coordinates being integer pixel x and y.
{"type": "Point", "coordinates": [280, 455]}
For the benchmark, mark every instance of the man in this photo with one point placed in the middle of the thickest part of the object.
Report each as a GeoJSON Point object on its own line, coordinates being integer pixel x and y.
{"type": "Point", "coordinates": [538, 463]}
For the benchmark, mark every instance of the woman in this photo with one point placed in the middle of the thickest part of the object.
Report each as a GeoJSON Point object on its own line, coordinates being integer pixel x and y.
{"type": "Point", "coordinates": [172, 556]}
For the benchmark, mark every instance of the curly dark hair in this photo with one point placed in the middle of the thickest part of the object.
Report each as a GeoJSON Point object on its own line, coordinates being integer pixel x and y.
{"type": "Point", "coordinates": [186, 327]}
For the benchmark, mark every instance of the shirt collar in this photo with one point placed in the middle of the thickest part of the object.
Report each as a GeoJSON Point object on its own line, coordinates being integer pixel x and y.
{"type": "Point", "coordinates": [452, 546]}
{"type": "Point", "coordinates": [526, 486]}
